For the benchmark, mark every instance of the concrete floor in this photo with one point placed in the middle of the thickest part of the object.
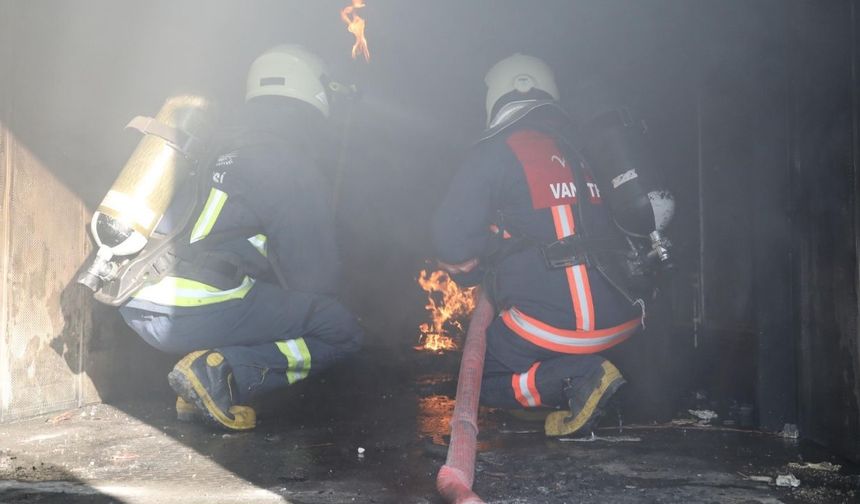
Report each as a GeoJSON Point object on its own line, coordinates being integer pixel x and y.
{"type": "Point", "coordinates": [307, 451]}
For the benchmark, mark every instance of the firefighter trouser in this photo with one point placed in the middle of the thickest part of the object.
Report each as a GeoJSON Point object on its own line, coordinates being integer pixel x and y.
{"type": "Point", "coordinates": [528, 376]}
{"type": "Point", "coordinates": [272, 338]}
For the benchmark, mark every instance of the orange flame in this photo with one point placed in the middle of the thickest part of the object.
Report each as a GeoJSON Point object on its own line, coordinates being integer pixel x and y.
{"type": "Point", "coordinates": [448, 306]}
{"type": "Point", "coordinates": [355, 25]}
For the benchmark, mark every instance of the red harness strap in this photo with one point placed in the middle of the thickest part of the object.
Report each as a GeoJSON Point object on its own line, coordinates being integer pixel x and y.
{"type": "Point", "coordinates": [552, 186]}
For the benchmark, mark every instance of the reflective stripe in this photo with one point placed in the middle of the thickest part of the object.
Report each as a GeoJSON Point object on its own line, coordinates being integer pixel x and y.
{"type": "Point", "coordinates": [209, 215]}
{"type": "Point", "coordinates": [298, 359]}
{"type": "Point", "coordinates": [577, 276]}
{"type": "Point", "coordinates": [564, 223]}
{"type": "Point", "coordinates": [583, 297]}
{"type": "Point", "coordinates": [259, 242]}
{"type": "Point", "coordinates": [567, 341]}
{"type": "Point", "coordinates": [525, 389]}
{"type": "Point", "coordinates": [173, 291]}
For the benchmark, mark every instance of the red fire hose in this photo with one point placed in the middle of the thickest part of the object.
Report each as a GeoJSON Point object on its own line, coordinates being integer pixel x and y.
{"type": "Point", "coordinates": [455, 479]}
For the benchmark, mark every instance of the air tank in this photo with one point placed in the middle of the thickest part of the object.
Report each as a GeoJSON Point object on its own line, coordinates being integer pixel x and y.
{"type": "Point", "coordinates": [172, 144]}
{"type": "Point", "coordinates": [614, 144]}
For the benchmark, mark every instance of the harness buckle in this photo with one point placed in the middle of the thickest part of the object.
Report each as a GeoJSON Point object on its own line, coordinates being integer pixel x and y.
{"type": "Point", "coordinates": [564, 253]}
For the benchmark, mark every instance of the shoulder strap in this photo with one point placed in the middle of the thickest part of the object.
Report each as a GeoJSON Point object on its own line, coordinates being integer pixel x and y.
{"type": "Point", "coordinates": [156, 259]}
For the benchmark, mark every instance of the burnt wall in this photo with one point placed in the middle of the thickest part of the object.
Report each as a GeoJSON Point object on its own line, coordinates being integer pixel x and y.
{"type": "Point", "coordinates": [776, 303]}
{"type": "Point", "coordinates": [825, 168]}
{"type": "Point", "coordinates": [722, 138]}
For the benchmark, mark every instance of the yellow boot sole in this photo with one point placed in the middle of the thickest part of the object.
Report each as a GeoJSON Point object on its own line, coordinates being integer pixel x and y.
{"type": "Point", "coordinates": [563, 423]}
{"type": "Point", "coordinates": [183, 380]}
{"type": "Point", "coordinates": [186, 411]}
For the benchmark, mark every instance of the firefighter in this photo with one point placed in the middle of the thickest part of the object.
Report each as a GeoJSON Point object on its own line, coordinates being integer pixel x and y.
{"type": "Point", "coordinates": [524, 193]}
{"type": "Point", "coordinates": [255, 309]}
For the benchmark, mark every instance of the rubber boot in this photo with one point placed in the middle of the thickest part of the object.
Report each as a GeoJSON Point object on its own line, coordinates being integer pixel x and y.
{"type": "Point", "coordinates": [587, 396]}
{"type": "Point", "coordinates": [205, 379]}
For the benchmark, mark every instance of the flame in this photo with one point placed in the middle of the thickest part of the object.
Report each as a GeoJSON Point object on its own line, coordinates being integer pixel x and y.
{"type": "Point", "coordinates": [355, 25]}
{"type": "Point", "coordinates": [448, 306]}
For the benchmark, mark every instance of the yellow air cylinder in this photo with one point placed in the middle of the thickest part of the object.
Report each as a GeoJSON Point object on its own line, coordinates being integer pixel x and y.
{"type": "Point", "coordinates": [172, 144]}
{"type": "Point", "coordinates": [163, 158]}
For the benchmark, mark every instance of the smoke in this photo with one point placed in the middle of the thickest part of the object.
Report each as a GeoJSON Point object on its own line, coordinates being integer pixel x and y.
{"type": "Point", "coordinates": [77, 73]}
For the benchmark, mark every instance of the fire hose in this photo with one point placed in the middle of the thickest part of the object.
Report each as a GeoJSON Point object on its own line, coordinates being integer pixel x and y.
{"type": "Point", "coordinates": [455, 478]}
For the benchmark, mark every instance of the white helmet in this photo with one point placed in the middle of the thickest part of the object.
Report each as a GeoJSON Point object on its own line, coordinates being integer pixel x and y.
{"type": "Point", "coordinates": [518, 73]}
{"type": "Point", "coordinates": [291, 71]}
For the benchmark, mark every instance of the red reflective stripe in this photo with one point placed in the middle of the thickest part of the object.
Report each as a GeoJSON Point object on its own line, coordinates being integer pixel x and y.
{"type": "Point", "coordinates": [558, 215]}
{"type": "Point", "coordinates": [617, 334]}
{"type": "Point", "coordinates": [574, 296]}
{"type": "Point", "coordinates": [532, 386]}
{"type": "Point", "coordinates": [583, 303]}
{"type": "Point", "coordinates": [557, 221]}
{"type": "Point", "coordinates": [568, 333]}
{"type": "Point", "coordinates": [568, 212]}
{"type": "Point", "coordinates": [518, 395]}
{"type": "Point", "coordinates": [580, 290]}
{"type": "Point", "coordinates": [525, 389]}
{"type": "Point", "coordinates": [589, 301]}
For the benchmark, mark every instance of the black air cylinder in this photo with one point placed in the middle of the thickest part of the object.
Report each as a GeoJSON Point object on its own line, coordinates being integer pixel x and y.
{"type": "Point", "coordinates": [614, 147]}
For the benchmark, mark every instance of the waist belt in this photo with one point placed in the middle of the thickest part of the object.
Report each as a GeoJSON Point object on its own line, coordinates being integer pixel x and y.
{"type": "Point", "coordinates": [566, 340]}
{"type": "Point", "coordinates": [569, 251]}
{"type": "Point", "coordinates": [574, 250]}
{"type": "Point", "coordinates": [211, 270]}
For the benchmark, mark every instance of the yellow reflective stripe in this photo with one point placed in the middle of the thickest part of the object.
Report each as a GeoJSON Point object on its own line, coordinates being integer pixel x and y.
{"type": "Point", "coordinates": [298, 359]}
{"type": "Point", "coordinates": [259, 243]}
{"type": "Point", "coordinates": [174, 291]}
{"type": "Point", "coordinates": [306, 355]}
{"type": "Point", "coordinates": [209, 215]}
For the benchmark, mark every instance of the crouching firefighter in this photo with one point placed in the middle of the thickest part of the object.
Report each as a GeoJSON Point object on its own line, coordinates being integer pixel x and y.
{"type": "Point", "coordinates": [241, 272]}
{"type": "Point", "coordinates": [565, 239]}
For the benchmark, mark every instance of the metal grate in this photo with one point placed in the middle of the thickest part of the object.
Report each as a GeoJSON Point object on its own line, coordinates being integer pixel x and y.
{"type": "Point", "coordinates": [46, 313]}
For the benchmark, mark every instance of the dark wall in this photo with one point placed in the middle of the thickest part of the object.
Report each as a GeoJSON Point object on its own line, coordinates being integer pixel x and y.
{"type": "Point", "coordinates": [825, 170]}
{"type": "Point", "coordinates": [718, 113]}
{"type": "Point", "coordinates": [777, 311]}
{"type": "Point", "coordinates": [745, 233]}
